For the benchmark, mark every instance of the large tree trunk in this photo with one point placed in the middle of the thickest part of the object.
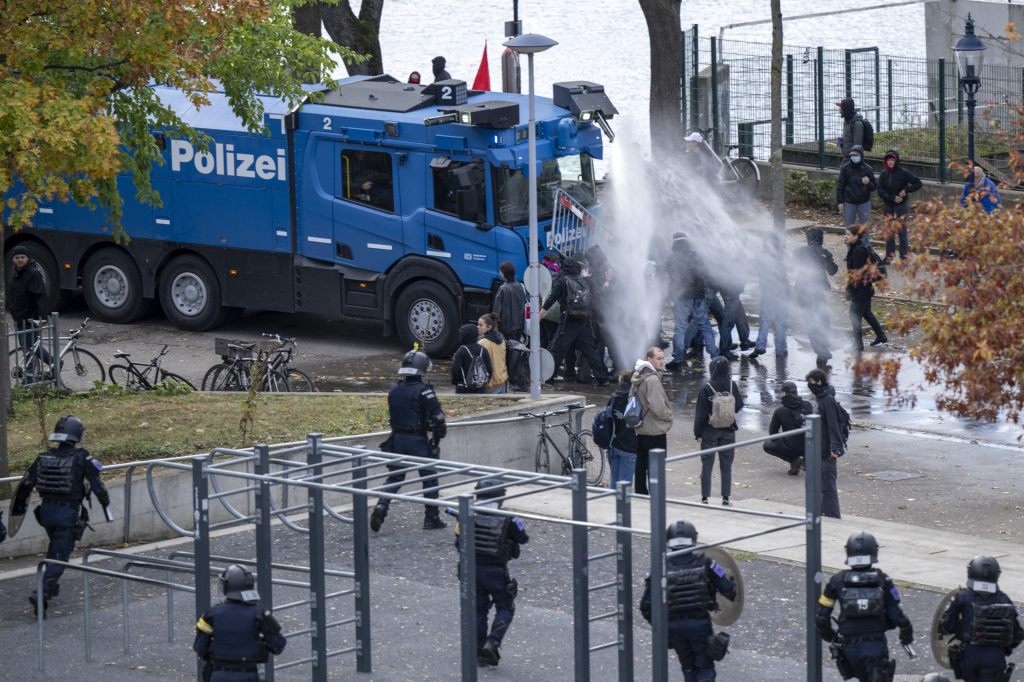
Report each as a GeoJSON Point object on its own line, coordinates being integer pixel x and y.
{"type": "Point", "coordinates": [361, 33]}
{"type": "Point", "coordinates": [5, 372]}
{"type": "Point", "coordinates": [778, 188]}
{"type": "Point", "coordinates": [666, 38]}
{"type": "Point", "coordinates": [306, 19]}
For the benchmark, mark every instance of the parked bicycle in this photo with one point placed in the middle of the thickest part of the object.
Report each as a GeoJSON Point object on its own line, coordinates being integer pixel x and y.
{"type": "Point", "coordinates": [234, 371]}
{"type": "Point", "coordinates": [740, 173]}
{"type": "Point", "coordinates": [581, 452]}
{"type": "Point", "coordinates": [79, 368]}
{"type": "Point", "coordinates": [149, 377]}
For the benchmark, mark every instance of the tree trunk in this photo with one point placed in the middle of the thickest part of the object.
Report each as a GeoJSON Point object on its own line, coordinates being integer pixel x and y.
{"type": "Point", "coordinates": [361, 33]}
{"type": "Point", "coordinates": [778, 188]}
{"type": "Point", "coordinates": [306, 19]}
{"type": "Point", "coordinates": [666, 38]}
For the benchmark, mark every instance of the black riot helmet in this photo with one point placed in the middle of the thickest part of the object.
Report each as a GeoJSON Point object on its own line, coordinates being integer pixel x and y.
{"type": "Point", "coordinates": [861, 549]}
{"type": "Point", "coordinates": [983, 569]}
{"type": "Point", "coordinates": [415, 363]}
{"type": "Point", "coordinates": [238, 584]}
{"type": "Point", "coordinates": [69, 429]}
{"type": "Point", "coordinates": [682, 534]}
{"type": "Point", "coordinates": [490, 489]}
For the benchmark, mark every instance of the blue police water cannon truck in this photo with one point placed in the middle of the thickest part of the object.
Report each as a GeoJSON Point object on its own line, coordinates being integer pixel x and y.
{"type": "Point", "coordinates": [377, 199]}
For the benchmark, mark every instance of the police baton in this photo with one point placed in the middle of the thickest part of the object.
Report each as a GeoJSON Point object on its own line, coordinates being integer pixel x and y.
{"type": "Point", "coordinates": [910, 652]}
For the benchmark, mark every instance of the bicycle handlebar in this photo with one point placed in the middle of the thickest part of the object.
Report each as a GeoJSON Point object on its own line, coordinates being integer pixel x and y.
{"type": "Point", "coordinates": [280, 339]}
{"type": "Point", "coordinates": [554, 413]}
{"type": "Point", "coordinates": [163, 351]}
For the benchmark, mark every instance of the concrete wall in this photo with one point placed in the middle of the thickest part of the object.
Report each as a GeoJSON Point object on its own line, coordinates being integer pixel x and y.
{"type": "Point", "coordinates": [509, 445]}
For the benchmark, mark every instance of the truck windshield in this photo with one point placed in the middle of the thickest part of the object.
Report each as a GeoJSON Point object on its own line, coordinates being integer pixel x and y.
{"type": "Point", "coordinates": [574, 174]}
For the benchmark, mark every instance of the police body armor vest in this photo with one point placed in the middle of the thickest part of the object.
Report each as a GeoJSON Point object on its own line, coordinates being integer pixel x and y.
{"type": "Point", "coordinates": [491, 536]}
{"type": "Point", "coordinates": [60, 475]}
{"type": "Point", "coordinates": [862, 595]}
{"type": "Point", "coordinates": [406, 413]}
{"type": "Point", "coordinates": [687, 590]}
{"type": "Point", "coordinates": [993, 624]}
{"type": "Point", "coordinates": [235, 635]}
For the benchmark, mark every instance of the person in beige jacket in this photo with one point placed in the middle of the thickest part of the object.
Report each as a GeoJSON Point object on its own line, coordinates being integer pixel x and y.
{"type": "Point", "coordinates": [652, 433]}
{"type": "Point", "coordinates": [494, 343]}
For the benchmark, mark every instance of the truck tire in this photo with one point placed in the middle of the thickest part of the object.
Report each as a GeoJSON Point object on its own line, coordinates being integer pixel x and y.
{"type": "Point", "coordinates": [190, 294]}
{"type": "Point", "coordinates": [427, 314]}
{"type": "Point", "coordinates": [113, 287]}
{"type": "Point", "coordinates": [55, 298]}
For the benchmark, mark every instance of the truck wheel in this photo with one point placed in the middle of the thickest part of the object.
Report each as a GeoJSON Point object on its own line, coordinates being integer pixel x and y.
{"type": "Point", "coordinates": [190, 294]}
{"type": "Point", "coordinates": [427, 314]}
{"type": "Point", "coordinates": [55, 298]}
{"type": "Point", "coordinates": [113, 287]}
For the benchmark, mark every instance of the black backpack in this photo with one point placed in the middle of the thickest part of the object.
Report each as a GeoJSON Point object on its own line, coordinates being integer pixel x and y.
{"type": "Point", "coordinates": [478, 375]}
{"type": "Point", "coordinates": [869, 136]}
{"type": "Point", "coordinates": [578, 299]}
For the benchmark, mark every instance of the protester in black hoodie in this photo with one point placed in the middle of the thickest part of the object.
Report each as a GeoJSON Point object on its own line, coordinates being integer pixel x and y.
{"type": "Point", "coordinates": [814, 264]}
{"type": "Point", "coordinates": [894, 184]}
{"type": "Point", "coordinates": [788, 417]}
{"type": "Point", "coordinates": [713, 436]}
{"type": "Point", "coordinates": [575, 326]}
{"type": "Point", "coordinates": [832, 446]}
{"type": "Point", "coordinates": [860, 290]}
{"type": "Point", "coordinates": [462, 361]}
{"type": "Point", "coordinates": [622, 453]}
{"type": "Point", "coordinates": [853, 189]}
{"type": "Point", "coordinates": [853, 126]}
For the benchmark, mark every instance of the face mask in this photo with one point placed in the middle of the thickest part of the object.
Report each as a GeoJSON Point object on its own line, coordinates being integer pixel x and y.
{"type": "Point", "coordinates": [816, 389]}
{"type": "Point", "coordinates": [855, 159]}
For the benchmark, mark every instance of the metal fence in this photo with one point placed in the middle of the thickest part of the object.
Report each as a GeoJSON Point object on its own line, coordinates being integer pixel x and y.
{"type": "Point", "coordinates": [35, 353]}
{"type": "Point", "coordinates": [359, 474]}
{"type": "Point", "coordinates": [915, 105]}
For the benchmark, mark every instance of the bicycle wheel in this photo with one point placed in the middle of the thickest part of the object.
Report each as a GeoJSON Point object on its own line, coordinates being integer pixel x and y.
{"type": "Point", "coordinates": [587, 455]}
{"type": "Point", "coordinates": [748, 177]}
{"type": "Point", "coordinates": [276, 382]}
{"type": "Point", "coordinates": [211, 376]}
{"type": "Point", "coordinates": [79, 368]}
{"type": "Point", "coordinates": [233, 378]}
{"type": "Point", "coordinates": [299, 381]}
{"type": "Point", "coordinates": [121, 375]}
{"type": "Point", "coordinates": [171, 376]}
{"type": "Point", "coordinates": [542, 459]}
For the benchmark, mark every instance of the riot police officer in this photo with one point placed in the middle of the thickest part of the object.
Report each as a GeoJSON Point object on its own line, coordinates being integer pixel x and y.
{"type": "Point", "coordinates": [691, 583]}
{"type": "Point", "coordinates": [869, 605]}
{"type": "Point", "coordinates": [60, 476]}
{"type": "Point", "coordinates": [985, 622]}
{"type": "Point", "coordinates": [413, 410]}
{"type": "Point", "coordinates": [497, 541]}
{"type": "Point", "coordinates": [236, 635]}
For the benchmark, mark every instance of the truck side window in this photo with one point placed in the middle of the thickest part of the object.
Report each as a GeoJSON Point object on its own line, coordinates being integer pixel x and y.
{"type": "Point", "coordinates": [366, 177]}
{"type": "Point", "coordinates": [459, 176]}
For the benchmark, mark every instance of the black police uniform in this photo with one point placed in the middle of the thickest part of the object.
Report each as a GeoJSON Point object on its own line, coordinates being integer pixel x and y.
{"type": "Point", "coordinates": [988, 628]}
{"type": "Point", "coordinates": [233, 638]}
{"type": "Point", "coordinates": [414, 410]}
{"type": "Point", "coordinates": [869, 606]}
{"type": "Point", "coordinates": [497, 541]}
{"type": "Point", "coordinates": [59, 475]}
{"type": "Point", "coordinates": [691, 583]}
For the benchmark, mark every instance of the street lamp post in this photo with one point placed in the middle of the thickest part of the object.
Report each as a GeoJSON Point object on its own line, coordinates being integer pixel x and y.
{"type": "Point", "coordinates": [530, 44]}
{"type": "Point", "coordinates": [970, 56]}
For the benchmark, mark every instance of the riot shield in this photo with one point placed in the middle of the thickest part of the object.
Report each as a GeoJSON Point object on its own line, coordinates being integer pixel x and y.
{"type": "Point", "coordinates": [940, 642]}
{"type": "Point", "coordinates": [728, 612]}
{"type": "Point", "coordinates": [14, 520]}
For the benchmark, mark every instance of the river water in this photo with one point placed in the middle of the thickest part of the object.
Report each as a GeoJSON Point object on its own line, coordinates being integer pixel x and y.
{"type": "Point", "coordinates": [605, 41]}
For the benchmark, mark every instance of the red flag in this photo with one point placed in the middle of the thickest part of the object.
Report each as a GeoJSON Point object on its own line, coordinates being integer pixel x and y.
{"type": "Point", "coordinates": [483, 74]}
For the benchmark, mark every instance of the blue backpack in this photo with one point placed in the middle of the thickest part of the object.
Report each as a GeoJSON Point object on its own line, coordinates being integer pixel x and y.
{"type": "Point", "coordinates": [603, 427]}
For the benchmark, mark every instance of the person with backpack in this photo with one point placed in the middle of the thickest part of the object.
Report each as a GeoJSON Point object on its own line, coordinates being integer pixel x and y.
{"type": "Point", "coordinates": [622, 446]}
{"type": "Point", "coordinates": [654, 420]}
{"type": "Point", "coordinates": [714, 424]}
{"type": "Point", "coordinates": [853, 127]}
{"type": "Point", "coordinates": [471, 364]}
{"type": "Point", "coordinates": [494, 343]}
{"type": "Point", "coordinates": [510, 304]}
{"type": "Point", "coordinates": [860, 287]}
{"type": "Point", "coordinates": [835, 429]}
{"type": "Point", "coordinates": [894, 184]}
{"type": "Point", "coordinates": [573, 294]}
{"type": "Point", "coordinates": [853, 190]}
{"type": "Point", "coordinates": [788, 416]}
